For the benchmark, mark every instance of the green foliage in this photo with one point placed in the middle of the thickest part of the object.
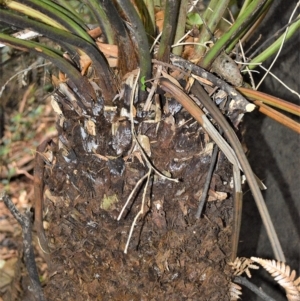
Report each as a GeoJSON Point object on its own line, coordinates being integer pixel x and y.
{"type": "Point", "coordinates": [143, 81]}
{"type": "Point", "coordinates": [193, 19]}
{"type": "Point", "coordinates": [22, 123]}
{"type": "Point", "coordinates": [4, 150]}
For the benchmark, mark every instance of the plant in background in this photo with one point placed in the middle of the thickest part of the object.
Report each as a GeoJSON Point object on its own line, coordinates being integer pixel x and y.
{"type": "Point", "coordinates": [111, 87]}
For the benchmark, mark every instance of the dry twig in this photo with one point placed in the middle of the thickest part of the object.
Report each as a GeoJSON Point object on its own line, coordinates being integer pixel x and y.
{"type": "Point", "coordinates": [244, 281]}
{"type": "Point", "coordinates": [29, 258]}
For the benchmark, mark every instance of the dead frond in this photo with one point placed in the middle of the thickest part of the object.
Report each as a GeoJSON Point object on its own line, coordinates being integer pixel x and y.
{"type": "Point", "coordinates": [281, 273]}
{"type": "Point", "coordinates": [235, 291]}
{"type": "Point", "coordinates": [243, 265]}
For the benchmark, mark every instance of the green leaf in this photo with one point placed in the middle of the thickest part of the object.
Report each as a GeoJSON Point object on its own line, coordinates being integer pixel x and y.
{"type": "Point", "coordinates": [17, 118]}
{"type": "Point", "coordinates": [143, 81]}
{"type": "Point", "coordinates": [194, 19]}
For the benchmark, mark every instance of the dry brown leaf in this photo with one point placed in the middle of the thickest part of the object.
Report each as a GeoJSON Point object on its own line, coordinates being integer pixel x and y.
{"type": "Point", "coordinates": [100, 157]}
{"type": "Point", "coordinates": [162, 260]}
{"type": "Point", "coordinates": [52, 198]}
{"type": "Point", "coordinates": [189, 50]}
{"type": "Point", "coordinates": [183, 207]}
{"type": "Point", "coordinates": [7, 271]}
{"type": "Point", "coordinates": [159, 20]}
{"type": "Point", "coordinates": [171, 79]}
{"type": "Point", "coordinates": [85, 63]}
{"type": "Point", "coordinates": [159, 215]}
{"type": "Point", "coordinates": [62, 76]}
{"type": "Point", "coordinates": [112, 62]}
{"type": "Point", "coordinates": [108, 49]}
{"type": "Point", "coordinates": [56, 106]}
{"type": "Point", "coordinates": [95, 33]}
{"type": "Point", "coordinates": [6, 226]}
{"type": "Point", "coordinates": [110, 52]}
{"type": "Point", "coordinates": [138, 155]}
{"type": "Point", "coordinates": [216, 195]}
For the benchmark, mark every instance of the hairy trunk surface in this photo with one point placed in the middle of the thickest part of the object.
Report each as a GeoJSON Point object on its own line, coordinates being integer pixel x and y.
{"type": "Point", "coordinates": [171, 255]}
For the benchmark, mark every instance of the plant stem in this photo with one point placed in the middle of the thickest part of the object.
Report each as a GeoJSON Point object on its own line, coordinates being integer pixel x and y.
{"type": "Point", "coordinates": [243, 8]}
{"type": "Point", "coordinates": [100, 13]}
{"type": "Point", "coordinates": [205, 189]}
{"type": "Point", "coordinates": [140, 37]}
{"type": "Point", "coordinates": [106, 82]}
{"type": "Point", "coordinates": [28, 253]}
{"type": "Point", "coordinates": [271, 100]}
{"type": "Point", "coordinates": [277, 116]}
{"type": "Point", "coordinates": [232, 138]}
{"type": "Point", "coordinates": [144, 14]}
{"type": "Point", "coordinates": [275, 35]}
{"type": "Point", "coordinates": [127, 59]}
{"type": "Point", "coordinates": [180, 26]}
{"type": "Point", "coordinates": [34, 14]}
{"type": "Point", "coordinates": [84, 87]}
{"type": "Point", "coordinates": [54, 11]}
{"type": "Point", "coordinates": [240, 103]}
{"type": "Point", "coordinates": [275, 46]}
{"type": "Point", "coordinates": [246, 33]}
{"type": "Point", "coordinates": [150, 7]}
{"type": "Point", "coordinates": [67, 9]}
{"type": "Point", "coordinates": [236, 28]}
{"type": "Point", "coordinates": [257, 290]}
{"type": "Point", "coordinates": [167, 38]}
{"type": "Point", "coordinates": [212, 19]}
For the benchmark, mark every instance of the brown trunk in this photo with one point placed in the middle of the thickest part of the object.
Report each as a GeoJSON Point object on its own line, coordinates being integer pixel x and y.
{"type": "Point", "coordinates": [171, 255]}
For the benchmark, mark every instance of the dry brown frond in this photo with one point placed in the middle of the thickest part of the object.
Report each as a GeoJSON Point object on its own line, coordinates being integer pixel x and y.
{"type": "Point", "coordinates": [283, 275]}
{"type": "Point", "coordinates": [235, 291]}
{"type": "Point", "coordinates": [242, 265]}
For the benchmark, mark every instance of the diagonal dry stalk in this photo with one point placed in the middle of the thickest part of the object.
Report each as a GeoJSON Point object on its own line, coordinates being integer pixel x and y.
{"type": "Point", "coordinates": [196, 112]}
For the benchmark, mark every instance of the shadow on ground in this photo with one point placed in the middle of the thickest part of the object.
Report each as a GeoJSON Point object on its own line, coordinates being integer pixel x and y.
{"type": "Point", "coordinates": [274, 155]}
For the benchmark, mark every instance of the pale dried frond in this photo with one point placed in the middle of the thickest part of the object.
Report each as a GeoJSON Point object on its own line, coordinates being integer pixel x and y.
{"type": "Point", "coordinates": [242, 265]}
{"type": "Point", "coordinates": [235, 291]}
{"type": "Point", "coordinates": [283, 275]}
{"type": "Point", "coordinates": [297, 284]}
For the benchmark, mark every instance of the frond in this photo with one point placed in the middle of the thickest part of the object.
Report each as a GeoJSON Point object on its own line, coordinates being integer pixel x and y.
{"type": "Point", "coordinates": [242, 265]}
{"type": "Point", "coordinates": [235, 291]}
{"type": "Point", "coordinates": [281, 273]}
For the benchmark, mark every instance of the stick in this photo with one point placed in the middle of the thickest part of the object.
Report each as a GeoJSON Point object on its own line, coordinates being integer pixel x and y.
{"type": "Point", "coordinates": [28, 253]}
{"type": "Point", "coordinates": [207, 181]}
{"type": "Point", "coordinates": [258, 291]}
